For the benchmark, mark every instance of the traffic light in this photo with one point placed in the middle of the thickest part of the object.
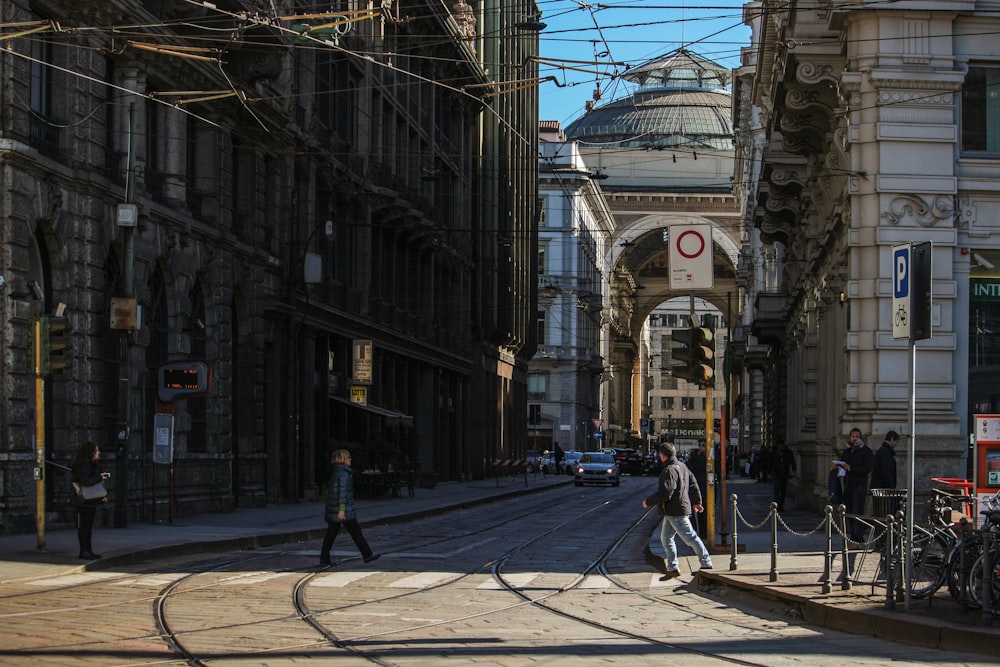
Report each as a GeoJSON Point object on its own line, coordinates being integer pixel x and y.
{"type": "Point", "coordinates": [684, 353]}
{"type": "Point", "coordinates": [704, 356]}
{"type": "Point", "coordinates": [54, 341]}
{"type": "Point", "coordinates": [696, 354]}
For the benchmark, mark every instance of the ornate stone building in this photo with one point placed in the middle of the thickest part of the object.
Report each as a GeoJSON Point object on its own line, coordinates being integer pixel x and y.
{"type": "Point", "coordinates": [861, 127]}
{"type": "Point", "coordinates": [574, 237]}
{"type": "Point", "coordinates": [333, 209]}
{"type": "Point", "coordinates": [664, 154]}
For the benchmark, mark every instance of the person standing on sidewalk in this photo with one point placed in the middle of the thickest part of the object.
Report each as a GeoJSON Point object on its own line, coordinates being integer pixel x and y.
{"type": "Point", "coordinates": [884, 467]}
{"type": "Point", "coordinates": [86, 473]}
{"type": "Point", "coordinates": [857, 460]}
{"type": "Point", "coordinates": [676, 492]}
{"type": "Point", "coordinates": [781, 471]}
{"type": "Point", "coordinates": [340, 509]}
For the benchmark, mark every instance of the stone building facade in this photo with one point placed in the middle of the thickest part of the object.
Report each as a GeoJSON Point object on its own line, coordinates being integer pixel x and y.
{"type": "Point", "coordinates": [863, 127]}
{"type": "Point", "coordinates": [320, 209]}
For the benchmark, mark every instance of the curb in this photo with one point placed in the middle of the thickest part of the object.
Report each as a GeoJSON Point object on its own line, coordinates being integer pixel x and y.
{"type": "Point", "coordinates": [263, 540]}
{"type": "Point", "coordinates": [854, 615]}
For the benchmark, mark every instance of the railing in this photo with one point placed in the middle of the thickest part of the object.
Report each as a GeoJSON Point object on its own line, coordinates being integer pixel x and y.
{"type": "Point", "coordinates": [932, 560]}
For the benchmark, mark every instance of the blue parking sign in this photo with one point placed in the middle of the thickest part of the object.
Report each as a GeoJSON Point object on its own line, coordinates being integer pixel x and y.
{"type": "Point", "coordinates": [901, 272]}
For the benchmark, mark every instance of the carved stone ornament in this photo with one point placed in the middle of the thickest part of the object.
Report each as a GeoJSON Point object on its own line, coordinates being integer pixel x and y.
{"type": "Point", "coordinates": [924, 213]}
{"type": "Point", "coordinates": [465, 19]}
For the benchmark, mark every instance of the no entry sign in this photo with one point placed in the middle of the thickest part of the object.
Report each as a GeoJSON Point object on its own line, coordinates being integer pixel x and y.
{"type": "Point", "coordinates": [691, 257]}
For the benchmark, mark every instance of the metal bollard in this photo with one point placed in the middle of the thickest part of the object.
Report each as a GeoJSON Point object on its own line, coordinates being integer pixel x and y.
{"type": "Point", "coordinates": [845, 564]}
{"type": "Point", "coordinates": [774, 542]}
{"type": "Point", "coordinates": [900, 557]}
{"type": "Point", "coordinates": [888, 560]}
{"type": "Point", "coordinates": [732, 552]}
{"type": "Point", "coordinates": [986, 588]}
{"type": "Point", "coordinates": [963, 564]}
{"type": "Point", "coordinates": [828, 552]}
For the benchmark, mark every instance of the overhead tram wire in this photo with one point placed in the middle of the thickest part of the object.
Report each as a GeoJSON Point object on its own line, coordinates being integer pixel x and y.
{"type": "Point", "coordinates": [318, 44]}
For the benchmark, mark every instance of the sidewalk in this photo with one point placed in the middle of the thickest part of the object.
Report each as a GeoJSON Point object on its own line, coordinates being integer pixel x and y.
{"type": "Point", "coordinates": [243, 528]}
{"type": "Point", "coordinates": [940, 623]}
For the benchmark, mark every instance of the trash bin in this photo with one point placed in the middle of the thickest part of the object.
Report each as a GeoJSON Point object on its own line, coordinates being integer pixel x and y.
{"type": "Point", "coordinates": [887, 501]}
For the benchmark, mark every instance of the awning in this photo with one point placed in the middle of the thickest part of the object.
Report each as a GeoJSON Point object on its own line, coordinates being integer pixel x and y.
{"type": "Point", "coordinates": [391, 416]}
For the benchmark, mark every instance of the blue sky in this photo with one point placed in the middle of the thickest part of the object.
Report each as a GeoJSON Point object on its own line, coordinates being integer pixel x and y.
{"type": "Point", "coordinates": [626, 31]}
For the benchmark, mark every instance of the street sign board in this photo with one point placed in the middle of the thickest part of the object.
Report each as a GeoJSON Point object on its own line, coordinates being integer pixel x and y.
{"type": "Point", "coordinates": [598, 424]}
{"type": "Point", "coordinates": [911, 291]}
{"type": "Point", "coordinates": [901, 291]}
{"type": "Point", "coordinates": [921, 272]}
{"type": "Point", "coordinates": [691, 257]}
{"type": "Point", "coordinates": [598, 435]}
{"type": "Point", "coordinates": [362, 362]}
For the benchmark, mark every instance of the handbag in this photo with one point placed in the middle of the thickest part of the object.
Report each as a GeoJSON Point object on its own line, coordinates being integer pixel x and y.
{"type": "Point", "coordinates": [92, 492]}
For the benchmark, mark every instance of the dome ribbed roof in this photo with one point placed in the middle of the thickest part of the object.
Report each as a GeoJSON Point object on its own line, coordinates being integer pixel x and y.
{"type": "Point", "coordinates": [680, 104]}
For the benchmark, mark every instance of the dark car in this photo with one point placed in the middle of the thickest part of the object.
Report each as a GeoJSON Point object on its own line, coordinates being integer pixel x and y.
{"type": "Point", "coordinates": [629, 460]}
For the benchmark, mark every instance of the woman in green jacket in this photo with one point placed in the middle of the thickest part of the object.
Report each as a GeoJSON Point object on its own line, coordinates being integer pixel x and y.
{"type": "Point", "coordinates": [340, 509]}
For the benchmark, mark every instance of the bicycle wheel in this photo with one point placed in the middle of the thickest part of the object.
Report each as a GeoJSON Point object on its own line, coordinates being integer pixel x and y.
{"type": "Point", "coordinates": [976, 582]}
{"type": "Point", "coordinates": [973, 548]}
{"type": "Point", "coordinates": [930, 551]}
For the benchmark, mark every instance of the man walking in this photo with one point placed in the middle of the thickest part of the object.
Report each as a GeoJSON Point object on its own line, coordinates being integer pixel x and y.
{"type": "Point", "coordinates": [676, 492]}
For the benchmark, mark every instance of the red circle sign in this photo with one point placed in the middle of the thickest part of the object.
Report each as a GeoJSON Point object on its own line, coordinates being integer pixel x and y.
{"type": "Point", "coordinates": [698, 239]}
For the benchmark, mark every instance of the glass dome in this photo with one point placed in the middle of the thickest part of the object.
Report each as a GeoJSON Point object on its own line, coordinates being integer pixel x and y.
{"type": "Point", "coordinates": [681, 103]}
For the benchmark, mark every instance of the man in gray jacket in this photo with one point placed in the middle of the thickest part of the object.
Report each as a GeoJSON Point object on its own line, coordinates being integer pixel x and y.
{"type": "Point", "coordinates": [676, 492]}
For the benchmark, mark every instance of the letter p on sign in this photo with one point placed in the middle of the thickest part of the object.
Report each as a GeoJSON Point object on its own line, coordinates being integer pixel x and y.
{"type": "Point", "coordinates": [901, 291]}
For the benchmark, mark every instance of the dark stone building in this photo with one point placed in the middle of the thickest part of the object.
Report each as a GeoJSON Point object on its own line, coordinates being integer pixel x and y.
{"type": "Point", "coordinates": [332, 208]}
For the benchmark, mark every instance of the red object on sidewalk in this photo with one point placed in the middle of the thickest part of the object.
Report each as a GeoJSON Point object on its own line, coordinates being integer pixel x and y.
{"type": "Point", "coordinates": [963, 486]}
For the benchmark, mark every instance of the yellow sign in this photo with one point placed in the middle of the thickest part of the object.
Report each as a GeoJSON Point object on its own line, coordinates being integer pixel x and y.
{"type": "Point", "coordinates": [359, 395]}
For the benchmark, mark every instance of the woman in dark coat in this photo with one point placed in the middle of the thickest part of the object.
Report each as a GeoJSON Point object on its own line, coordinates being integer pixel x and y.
{"type": "Point", "coordinates": [340, 509]}
{"type": "Point", "coordinates": [86, 473]}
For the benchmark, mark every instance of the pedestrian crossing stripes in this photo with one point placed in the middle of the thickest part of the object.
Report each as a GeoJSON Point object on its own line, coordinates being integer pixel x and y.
{"type": "Point", "coordinates": [423, 580]}
{"type": "Point", "coordinates": [73, 579]}
{"type": "Point", "coordinates": [535, 580]}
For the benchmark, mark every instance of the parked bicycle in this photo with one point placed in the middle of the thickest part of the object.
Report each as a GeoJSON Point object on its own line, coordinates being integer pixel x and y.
{"type": "Point", "coordinates": [945, 552]}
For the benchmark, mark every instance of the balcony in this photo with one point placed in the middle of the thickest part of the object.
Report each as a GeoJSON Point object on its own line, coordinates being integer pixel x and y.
{"type": "Point", "coordinates": [44, 136]}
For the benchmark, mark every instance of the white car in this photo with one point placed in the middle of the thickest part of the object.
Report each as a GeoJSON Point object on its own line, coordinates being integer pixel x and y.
{"type": "Point", "coordinates": [597, 468]}
{"type": "Point", "coordinates": [547, 464]}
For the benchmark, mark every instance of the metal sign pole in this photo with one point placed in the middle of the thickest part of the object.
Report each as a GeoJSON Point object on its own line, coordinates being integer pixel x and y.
{"type": "Point", "coordinates": [910, 467]}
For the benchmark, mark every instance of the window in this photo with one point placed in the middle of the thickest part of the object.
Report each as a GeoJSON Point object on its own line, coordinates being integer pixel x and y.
{"type": "Point", "coordinates": [687, 402]}
{"type": "Point", "coordinates": [41, 94]}
{"type": "Point", "coordinates": [541, 261]}
{"type": "Point", "coordinates": [541, 211]}
{"type": "Point", "coordinates": [981, 110]}
{"type": "Point", "coordinates": [536, 386]}
{"type": "Point", "coordinates": [541, 327]}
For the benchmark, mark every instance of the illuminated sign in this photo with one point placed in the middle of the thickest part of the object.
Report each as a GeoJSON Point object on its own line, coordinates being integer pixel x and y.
{"type": "Point", "coordinates": [183, 379]}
